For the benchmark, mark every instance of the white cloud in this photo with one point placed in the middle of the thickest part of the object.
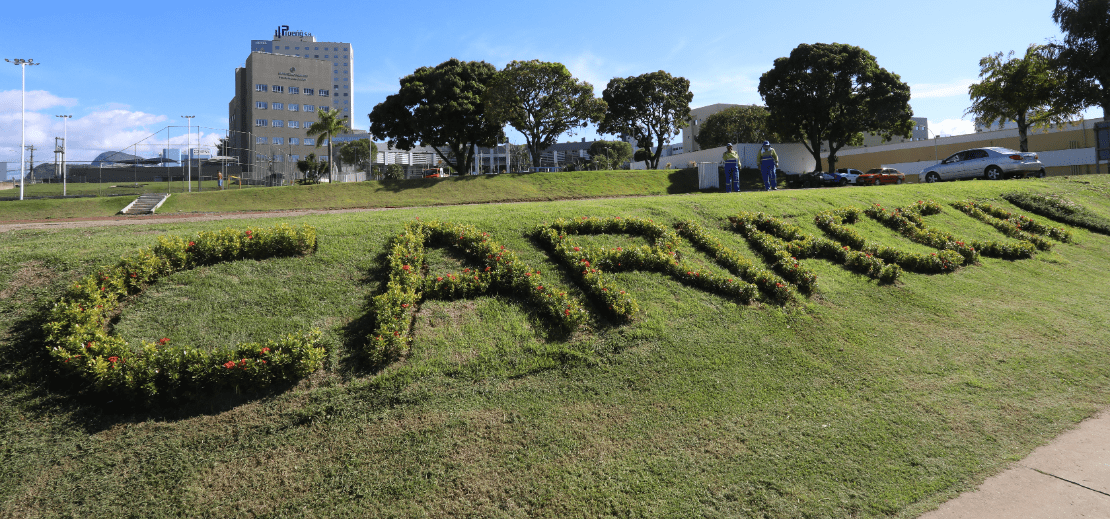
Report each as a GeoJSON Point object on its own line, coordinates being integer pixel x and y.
{"type": "Point", "coordinates": [952, 127]}
{"type": "Point", "coordinates": [934, 90]}
{"type": "Point", "coordinates": [10, 101]}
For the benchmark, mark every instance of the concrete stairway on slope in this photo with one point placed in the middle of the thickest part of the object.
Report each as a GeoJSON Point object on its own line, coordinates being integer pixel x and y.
{"type": "Point", "coordinates": [146, 203]}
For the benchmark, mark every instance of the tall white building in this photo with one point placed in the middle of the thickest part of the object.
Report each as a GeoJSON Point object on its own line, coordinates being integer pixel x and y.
{"type": "Point", "coordinates": [304, 45]}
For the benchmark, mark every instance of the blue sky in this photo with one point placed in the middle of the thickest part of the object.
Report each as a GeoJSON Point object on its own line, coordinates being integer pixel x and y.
{"type": "Point", "coordinates": [127, 70]}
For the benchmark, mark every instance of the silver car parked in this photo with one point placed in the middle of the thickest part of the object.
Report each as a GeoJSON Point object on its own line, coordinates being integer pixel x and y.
{"type": "Point", "coordinates": [990, 163]}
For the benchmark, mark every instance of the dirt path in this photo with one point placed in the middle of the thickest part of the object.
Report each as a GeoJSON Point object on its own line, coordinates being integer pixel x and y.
{"type": "Point", "coordinates": [106, 221]}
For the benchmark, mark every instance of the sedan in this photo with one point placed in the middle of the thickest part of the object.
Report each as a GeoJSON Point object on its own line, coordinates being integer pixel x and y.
{"type": "Point", "coordinates": [991, 163]}
{"type": "Point", "coordinates": [878, 176]}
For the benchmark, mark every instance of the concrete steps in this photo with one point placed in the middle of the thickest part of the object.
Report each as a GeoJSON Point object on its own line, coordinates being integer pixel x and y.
{"type": "Point", "coordinates": [146, 203]}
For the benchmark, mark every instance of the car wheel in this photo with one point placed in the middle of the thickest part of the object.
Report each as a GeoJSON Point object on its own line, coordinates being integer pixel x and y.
{"type": "Point", "coordinates": [843, 182]}
{"type": "Point", "coordinates": [1041, 174]}
{"type": "Point", "coordinates": [877, 182]}
{"type": "Point", "coordinates": [993, 173]}
{"type": "Point", "coordinates": [901, 180]}
{"type": "Point", "coordinates": [932, 177]}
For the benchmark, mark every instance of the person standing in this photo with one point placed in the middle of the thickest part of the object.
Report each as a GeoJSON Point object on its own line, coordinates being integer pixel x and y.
{"type": "Point", "coordinates": [732, 169]}
{"type": "Point", "coordinates": [220, 180]}
{"type": "Point", "coordinates": [768, 163]}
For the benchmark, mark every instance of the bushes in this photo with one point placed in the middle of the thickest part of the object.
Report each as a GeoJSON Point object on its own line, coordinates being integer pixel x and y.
{"type": "Point", "coordinates": [833, 223]}
{"type": "Point", "coordinates": [78, 336]}
{"type": "Point", "coordinates": [407, 286]}
{"type": "Point", "coordinates": [1060, 209]}
{"type": "Point", "coordinates": [1019, 227]}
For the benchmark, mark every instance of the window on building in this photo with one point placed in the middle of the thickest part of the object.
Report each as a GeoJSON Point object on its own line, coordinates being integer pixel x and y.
{"type": "Point", "coordinates": [293, 107]}
{"type": "Point", "coordinates": [294, 158]}
{"type": "Point", "coordinates": [309, 92]}
{"type": "Point", "coordinates": [344, 93]}
{"type": "Point", "coordinates": [309, 142]}
{"type": "Point", "coordinates": [279, 140]}
{"type": "Point", "coordinates": [325, 56]}
{"type": "Point", "coordinates": [260, 122]}
{"type": "Point", "coordinates": [260, 140]}
{"type": "Point", "coordinates": [294, 90]}
{"type": "Point", "coordinates": [294, 124]}
{"type": "Point", "coordinates": [310, 108]}
{"type": "Point", "coordinates": [296, 48]}
{"type": "Point", "coordinates": [336, 86]}
{"type": "Point", "coordinates": [324, 158]}
{"type": "Point", "coordinates": [278, 89]}
{"type": "Point", "coordinates": [278, 106]}
{"type": "Point", "coordinates": [317, 48]}
{"type": "Point", "coordinates": [279, 158]}
{"type": "Point", "coordinates": [317, 56]}
{"type": "Point", "coordinates": [261, 105]}
{"type": "Point", "coordinates": [278, 123]}
{"type": "Point", "coordinates": [260, 88]}
{"type": "Point", "coordinates": [294, 141]}
{"type": "Point", "coordinates": [324, 109]}
{"type": "Point", "coordinates": [323, 93]}
{"type": "Point", "coordinates": [286, 47]}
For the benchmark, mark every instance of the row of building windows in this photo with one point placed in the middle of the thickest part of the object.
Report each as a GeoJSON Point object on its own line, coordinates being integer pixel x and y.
{"type": "Point", "coordinates": [292, 107]}
{"type": "Point", "coordinates": [281, 158]}
{"type": "Point", "coordinates": [280, 123]}
{"type": "Point", "coordinates": [295, 141]}
{"type": "Point", "coordinates": [318, 48]}
{"type": "Point", "coordinates": [278, 89]}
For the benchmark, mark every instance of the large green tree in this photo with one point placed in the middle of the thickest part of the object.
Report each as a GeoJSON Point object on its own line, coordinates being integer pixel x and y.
{"type": "Point", "coordinates": [359, 153]}
{"type": "Point", "coordinates": [328, 124]}
{"type": "Point", "coordinates": [610, 154]}
{"type": "Point", "coordinates": [650, 108]}
{"type": "Point", "coordinates": [832, 92]}
{"type": "Point", "coordinates": [1028, 90]}
{"type": "Point", "coordinates": [542, 101]}
{"type": "Point", "coordinates": [1084, 55]}
{"type": "Point", "coordinates": [735, 124]}
{"type": "Point", "coordinates": [441, 107]}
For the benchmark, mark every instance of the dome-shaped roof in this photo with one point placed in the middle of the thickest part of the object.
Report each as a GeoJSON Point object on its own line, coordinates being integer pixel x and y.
{"type": "Point", "coordinates": [109, 158]}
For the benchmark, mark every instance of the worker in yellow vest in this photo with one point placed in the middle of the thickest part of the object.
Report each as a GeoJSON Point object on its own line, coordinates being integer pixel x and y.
{"type": "Point", "coordinates": [732, 169]}
{"type": "Point", "coordinates": [768, 163]}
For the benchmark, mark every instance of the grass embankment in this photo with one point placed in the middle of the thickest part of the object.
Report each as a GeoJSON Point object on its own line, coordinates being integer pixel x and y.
{"type": "Point", "coordinates": [374, 194]}
{"type": "Point", "coordinates": [866, 400]}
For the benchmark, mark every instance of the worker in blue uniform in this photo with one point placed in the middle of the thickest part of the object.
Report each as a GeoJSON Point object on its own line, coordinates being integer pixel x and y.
{"type": "Point", "coordinates": [732, 169]}
{"type": "Point", "coordinates": [768, 163]}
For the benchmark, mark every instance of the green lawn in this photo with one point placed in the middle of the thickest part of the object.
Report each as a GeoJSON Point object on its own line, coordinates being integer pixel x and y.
{"type": "Point", "coordinates": [864, 400]}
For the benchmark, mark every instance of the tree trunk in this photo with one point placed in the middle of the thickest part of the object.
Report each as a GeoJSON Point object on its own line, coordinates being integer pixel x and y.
{"type": "Point", "coordinates": [331, 160]}
{"type": "Point", "coordinates": [1023, 132]}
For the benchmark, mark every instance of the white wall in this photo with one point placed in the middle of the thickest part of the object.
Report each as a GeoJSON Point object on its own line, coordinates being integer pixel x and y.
{"type": "Point", "coordinates": [793, 157]}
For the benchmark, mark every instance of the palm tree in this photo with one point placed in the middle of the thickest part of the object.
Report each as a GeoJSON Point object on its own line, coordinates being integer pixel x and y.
{"type": "Point", "coordinates": [328, 126]}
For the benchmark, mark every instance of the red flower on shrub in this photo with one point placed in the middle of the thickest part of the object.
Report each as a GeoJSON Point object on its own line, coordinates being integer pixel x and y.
{"type": "Point", "coordinates": [229, 364]}
{"type": "Point", "coordinates": [113, 359]}
{"type": "Point", "coordinates": [405, 267]}
{"type": "Point", "coordinates": [404, 305]}
{"type": "Point", "coordinates": [192, 243]}
{"type": "Point", "coordinates": [265, 350]}
{"type": "Point", "coordinates": [163, 341]}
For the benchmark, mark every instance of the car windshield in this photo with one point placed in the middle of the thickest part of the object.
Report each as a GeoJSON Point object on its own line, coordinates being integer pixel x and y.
{"type": "Point", "coordinates": [873, 171]}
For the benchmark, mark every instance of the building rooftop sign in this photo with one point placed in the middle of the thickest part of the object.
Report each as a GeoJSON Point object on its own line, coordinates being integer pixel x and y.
{"type": "Point", "coordinates": [283, 30]}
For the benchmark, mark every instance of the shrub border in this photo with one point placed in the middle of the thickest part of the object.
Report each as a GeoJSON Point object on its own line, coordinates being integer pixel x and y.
{"type": "Point", "coordinates": [1045, 206]}
{"type": "Point", "coordinates": [79, 339]}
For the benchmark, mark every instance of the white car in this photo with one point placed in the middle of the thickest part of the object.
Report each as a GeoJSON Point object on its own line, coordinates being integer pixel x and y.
{"type": "Point", "coordinates": [849, 174]}
{"type": "Point", "coordinates": [990, 163]}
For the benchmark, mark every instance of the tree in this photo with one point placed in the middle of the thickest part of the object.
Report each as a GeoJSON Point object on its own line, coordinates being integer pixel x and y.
{"type": "Point", "coordinates": [360, 153]}
{"type": "Point", "coordinates": [650, 107]}
{"type": "Point", "coordinates": [610, 154]}
{"type": "Point", "coordinates": [641, 155]}
{"type": "Point", "coordinates": [441, 107]}
{"type": "Point", "coordinates": [542, 101]}
{"type": "Point", "coordinates": [328, 124]}
{"type": "Point", "coordinates": [222, 147]}
{"type": "Point", "coordinates": [1027, 90]}
{"type": "Point", "coordinates": [1084, 54]}
{"type": "Point", "coordinates": [834, 92]}
{"type": "Point", "coordinates": [518, 156]}
{"type": "Point", "coordinates": [735, 124]}
{"type": "Point", "coordinates": [312, 168]}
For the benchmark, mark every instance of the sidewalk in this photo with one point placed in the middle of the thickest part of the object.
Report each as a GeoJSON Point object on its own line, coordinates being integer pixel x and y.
{"type": "Point", "coordinates": [1067, 478]}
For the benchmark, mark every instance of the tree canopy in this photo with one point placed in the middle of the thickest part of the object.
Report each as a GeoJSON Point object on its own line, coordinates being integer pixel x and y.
{"type": "Point", "coordinates": [1084, 54]}
{"type": "Point", "coordinates": [651, 108]}
{"type": "Point", "coordinates": [542, 101]}
{"type": "Point", "coordinates": [328, 124]}
{"type": "Point", "coordinates": [1028, 90]}
{"type": "Point", "coordinates": [359, 153]}
{"type": "Point", "coordinates": [312, 168]}
{"type": "Point", "coordinates": [610, 154]}
{"type": "Point", "coordinates": [833, 93]}
{"type": "Point", "coordinates": [735, 124]}
{"type": "Point", "coordinates": [441, 107]}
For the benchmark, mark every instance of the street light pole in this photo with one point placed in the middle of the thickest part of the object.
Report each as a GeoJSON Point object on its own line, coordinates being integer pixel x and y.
{"type": "Point", "coordinates": [23, 110]}
{"type": "Point", "coordinates": [65, 145]}
{"type": "Point", "coordinates": [189, 155]}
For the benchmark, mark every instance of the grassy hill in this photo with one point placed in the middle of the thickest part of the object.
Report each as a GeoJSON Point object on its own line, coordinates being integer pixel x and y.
{"type": "Point", "coordinates": [863, 399]}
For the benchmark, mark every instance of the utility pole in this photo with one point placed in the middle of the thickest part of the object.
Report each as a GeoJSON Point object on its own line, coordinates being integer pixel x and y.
{"type": "Point", "coordinates": [31, 171]}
